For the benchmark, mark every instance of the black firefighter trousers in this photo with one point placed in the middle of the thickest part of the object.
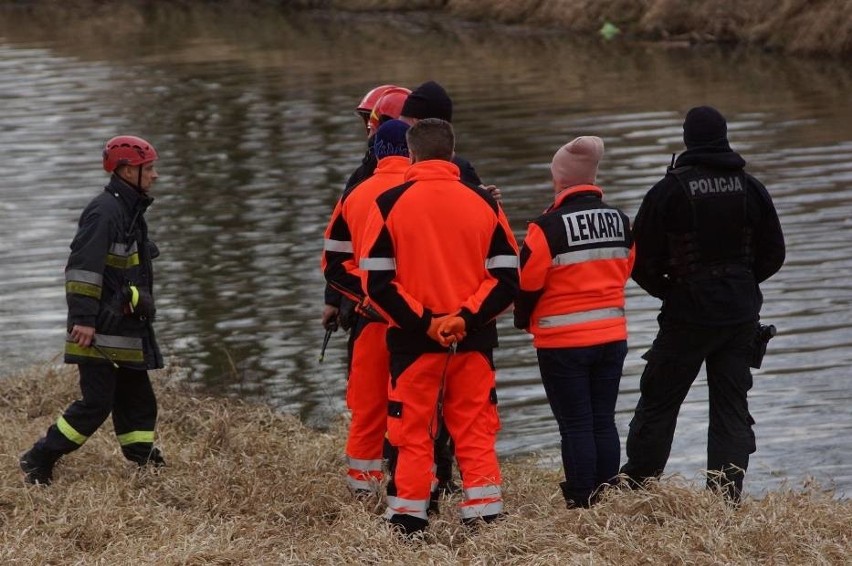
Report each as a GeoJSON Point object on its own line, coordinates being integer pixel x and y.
{"type": "Point", "coordinates": [124, 392]}
{"type": "Point", "coordinates": [673, 364]}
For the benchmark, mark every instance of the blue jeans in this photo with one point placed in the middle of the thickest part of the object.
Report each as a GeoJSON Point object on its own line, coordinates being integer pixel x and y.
{"type": "Point", "coordinates": [582, 386]}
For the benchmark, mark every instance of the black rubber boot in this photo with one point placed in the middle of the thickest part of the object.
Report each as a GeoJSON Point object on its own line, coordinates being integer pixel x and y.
{"type": "Point", "coordinates": [37, 468]}
{"type": "Point", "coordinates": [408, 525]}
{"type": "Point", "coordinates": [144, 456]}
{"type": "Point", "coordinates": [474, 523]}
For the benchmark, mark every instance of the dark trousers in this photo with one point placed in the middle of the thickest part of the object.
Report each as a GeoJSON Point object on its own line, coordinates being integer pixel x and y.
{"type": "Point", "coordinates": [582, 386]}
{"type": "Point", "coordinates": [673, 363]}
{"type": "Point", "coordinates": [126, 393]}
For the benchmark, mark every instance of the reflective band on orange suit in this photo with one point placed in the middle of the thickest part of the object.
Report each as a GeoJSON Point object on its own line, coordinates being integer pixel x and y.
{"type": "Point", "coordinates": [366, 397]}
{"type": "Point", "coordinates": [366, 391]}
{"type": "Point", "coordinates": [434, 246]}
{"type": "Point", "coordinates": [470, 413]}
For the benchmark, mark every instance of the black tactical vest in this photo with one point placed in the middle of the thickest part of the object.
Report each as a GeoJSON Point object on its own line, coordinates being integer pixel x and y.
{"type": "Point", "coordinates": [720, 239]}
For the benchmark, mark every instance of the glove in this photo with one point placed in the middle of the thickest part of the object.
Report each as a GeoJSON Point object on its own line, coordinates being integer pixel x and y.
{"type": "Point", "coordinates": [432, 332]}
{"type": "Point", "coordinates": [451, 329]}
{"type": "Point", "coordinates": [139, 303]}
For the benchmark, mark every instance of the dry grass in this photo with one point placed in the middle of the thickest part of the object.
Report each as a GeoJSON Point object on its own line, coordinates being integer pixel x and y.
{"type": "Point", "coordinates": [794, 26]}
{"type": "Point", "coordinates": [247, 486]}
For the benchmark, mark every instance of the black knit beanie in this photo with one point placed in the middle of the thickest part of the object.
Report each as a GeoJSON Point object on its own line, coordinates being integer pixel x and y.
{"type": "Point", "coordinates": [704, 126]}
{"type": "Point", "coordinates": [429, 100]}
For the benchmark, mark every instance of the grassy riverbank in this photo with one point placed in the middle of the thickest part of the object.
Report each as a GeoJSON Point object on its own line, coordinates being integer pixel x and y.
{"type": "Point", "coordinates": [247, 486]}
{"type": "Point", "coordinates": [818, 27]}
{"type": "Point", "coordinates": [793, 26]}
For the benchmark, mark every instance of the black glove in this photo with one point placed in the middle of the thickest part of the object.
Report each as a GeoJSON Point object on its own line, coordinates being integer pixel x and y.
{"type": "Point", "coordinates": [139, 303]}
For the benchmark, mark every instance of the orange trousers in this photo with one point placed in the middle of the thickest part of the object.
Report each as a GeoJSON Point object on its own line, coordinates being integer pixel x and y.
{"type": "Point", "coordinates": [470, 415]}
{"type": "Point", "coordinates": [367, 399]}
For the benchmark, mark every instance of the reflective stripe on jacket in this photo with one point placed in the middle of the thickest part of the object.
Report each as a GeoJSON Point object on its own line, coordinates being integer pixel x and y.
{"type": "Point", "coordinates": [436, 245]}
{"type": "Point", "coordinates": [575, 261]}
{"type": "Point", "coordinates": [344, 234]}
{"type": "Point", "coordinates": [110, 251]}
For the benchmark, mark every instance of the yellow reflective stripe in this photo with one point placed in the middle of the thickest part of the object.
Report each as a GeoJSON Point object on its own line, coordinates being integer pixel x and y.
{"type": "Point", "coordinates": [87, 289]}
{"type": "Point", "coordinates": [69, 432]}
{"type": "Point", "coordinates": [134, 297]}
{"type": "Point", "coordinates": [122, 262]}
{"type": "Point", "coordinates": [116, 354]}
{"type": "Point", "coordinates": [136, 436]}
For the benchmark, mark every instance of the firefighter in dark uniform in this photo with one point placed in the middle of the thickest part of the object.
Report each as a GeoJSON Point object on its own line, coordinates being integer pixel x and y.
{"type": "Point", "coordinates": [706, 236]}
{"type": "Point", "coordinates": [109, 290]}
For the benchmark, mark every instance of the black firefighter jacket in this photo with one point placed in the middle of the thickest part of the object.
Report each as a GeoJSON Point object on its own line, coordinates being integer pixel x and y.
{"type": "Point", "coordinates": [110, 252]}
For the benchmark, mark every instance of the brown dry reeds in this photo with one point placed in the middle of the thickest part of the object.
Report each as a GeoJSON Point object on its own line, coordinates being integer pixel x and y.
{"type": "Point", "coordinates": [245, 485]}
{"type": "Point", "coordinates": [820, 27]}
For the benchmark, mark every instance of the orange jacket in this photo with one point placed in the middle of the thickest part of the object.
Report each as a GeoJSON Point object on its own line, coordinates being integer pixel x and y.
{"type": "Point", "coordinates": [437, 246]}
{"type": "Point", "coordinates": [344, 234]}
{"type": "Point", "coordinates": [575, 262]}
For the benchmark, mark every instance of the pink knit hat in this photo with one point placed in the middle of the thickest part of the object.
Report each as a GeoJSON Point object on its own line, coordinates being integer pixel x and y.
{"type": "Point", "coordinates": [576, 163]}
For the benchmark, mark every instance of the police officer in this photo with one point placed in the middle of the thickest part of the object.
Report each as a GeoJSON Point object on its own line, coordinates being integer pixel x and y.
{"type": "Point", "coordinates": [706, 236]}
{"type": "Point", "coordinates": [109, 290]}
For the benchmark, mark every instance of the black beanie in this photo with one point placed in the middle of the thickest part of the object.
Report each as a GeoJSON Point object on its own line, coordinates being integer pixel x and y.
{"type": "Point", "coordinates": [429, 100]}
{"type": "Point", "coordinates": [704, 126]}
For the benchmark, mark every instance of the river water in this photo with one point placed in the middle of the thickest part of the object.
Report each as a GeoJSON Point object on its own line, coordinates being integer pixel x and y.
{"type": "Point", "coordinates": [253, 116]}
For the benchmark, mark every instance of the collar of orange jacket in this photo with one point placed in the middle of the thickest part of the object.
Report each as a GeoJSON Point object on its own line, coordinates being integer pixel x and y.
{"type": "Point", "coordinates": [393, 163]}
{"type": "Point", "coordinates": [432, 169]}
{"type": "Point", "coordinates": [576, 189]}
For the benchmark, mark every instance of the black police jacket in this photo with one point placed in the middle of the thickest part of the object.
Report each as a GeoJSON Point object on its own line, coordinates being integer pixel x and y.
{"type": "Point", "coordinates": [706, 235]}
{"type": "Point", "coordinates": [109, 253]}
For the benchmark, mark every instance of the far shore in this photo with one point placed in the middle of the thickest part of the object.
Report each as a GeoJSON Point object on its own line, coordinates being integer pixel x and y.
{"type": "Point", "coordinates": [801, 27]}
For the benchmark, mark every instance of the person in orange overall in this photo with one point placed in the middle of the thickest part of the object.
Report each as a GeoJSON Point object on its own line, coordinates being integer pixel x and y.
{"type": "Point", "coordinates": [575, 261]}
{"type": "Point", "coordinates": [336, 311]}
{"type": "Point", "coordinates": [440, 264]}
{"type": "Point", "coordinates": [366, 391]}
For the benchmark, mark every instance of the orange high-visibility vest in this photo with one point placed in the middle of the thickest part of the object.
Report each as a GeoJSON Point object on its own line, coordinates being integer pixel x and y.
{"type": "Point", "coordinates": [575, 261]}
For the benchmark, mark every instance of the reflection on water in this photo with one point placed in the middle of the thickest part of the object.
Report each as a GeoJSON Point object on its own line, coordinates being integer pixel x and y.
{"type": "Point", "coordinates": [253, 119]}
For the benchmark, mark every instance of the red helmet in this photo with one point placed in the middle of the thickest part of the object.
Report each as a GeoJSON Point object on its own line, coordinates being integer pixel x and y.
{"type": "Point", "coordinates": [388, 107]}
{"type": "Point", "coordinates": [127, 150]}
{"type": "Point", "coordinates": [369, 101]}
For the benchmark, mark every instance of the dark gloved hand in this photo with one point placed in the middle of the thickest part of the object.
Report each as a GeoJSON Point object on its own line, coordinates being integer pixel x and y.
{"type": "Point", "coordinates": [451, 329]}
{"type": "Point", "coordinates": [139, 303]}
{"type": "Point", "coordinates": [329, 317]}
{"type": "Point", "coordinates": [346, 317]}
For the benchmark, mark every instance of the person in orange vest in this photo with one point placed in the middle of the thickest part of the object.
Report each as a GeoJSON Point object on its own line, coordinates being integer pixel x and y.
{"type": "Point", "coordinates": [366, 391]}
{"type": "Point", "coordinates": [441, 264]}
{"type": "Point", "coordinates": [575, 261]}
{"type": "Point", "coordinates": [338, 312]}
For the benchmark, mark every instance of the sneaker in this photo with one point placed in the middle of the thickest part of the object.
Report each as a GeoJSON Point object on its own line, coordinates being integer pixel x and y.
{"type": "Point", "coordinates": [35, 472]}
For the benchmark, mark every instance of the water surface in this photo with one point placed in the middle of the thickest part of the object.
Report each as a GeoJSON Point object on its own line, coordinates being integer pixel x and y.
{"type": "Point", "coordinates": [253, 118]}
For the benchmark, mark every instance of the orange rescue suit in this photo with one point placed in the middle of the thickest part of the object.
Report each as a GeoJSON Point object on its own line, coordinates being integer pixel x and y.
{"type": "Point", "coordinates": [367, 387]}
{"type": "Point", "coordinates": [436, 246]}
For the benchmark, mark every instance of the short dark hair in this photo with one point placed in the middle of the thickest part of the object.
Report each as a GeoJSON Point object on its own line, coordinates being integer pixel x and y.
{"type": "Point", "coordinates": [431, 138]}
